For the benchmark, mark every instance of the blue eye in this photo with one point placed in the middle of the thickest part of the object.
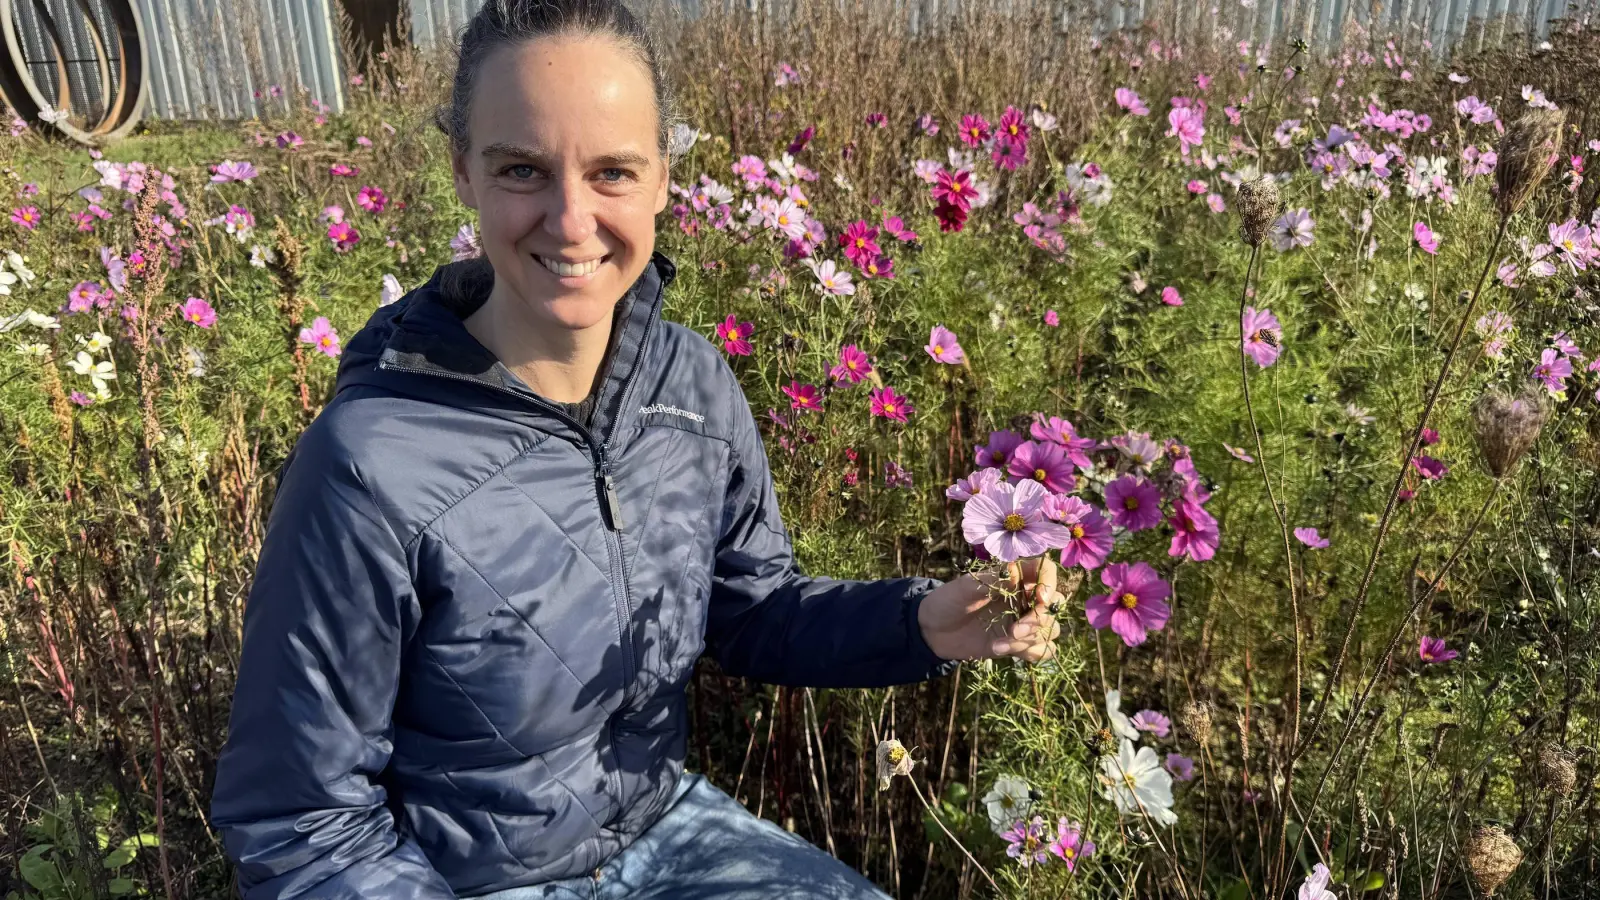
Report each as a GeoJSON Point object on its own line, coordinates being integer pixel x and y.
{"type": "Point", "coordinates": [520, 171]}
{"type": "Point", "coordinates": [614, 174]}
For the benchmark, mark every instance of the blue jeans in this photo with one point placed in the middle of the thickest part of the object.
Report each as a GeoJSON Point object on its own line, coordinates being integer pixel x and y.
{"type": "Point", "coordinates": [708, 847]}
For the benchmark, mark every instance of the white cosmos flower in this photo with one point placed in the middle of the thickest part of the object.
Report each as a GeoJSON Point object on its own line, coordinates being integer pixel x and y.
{"type": "Point", "coordinates": [96, 342]}
{"type": "Point", "coordinates": [29, 317]}
{"type": "Point", "coordinates": [36, 350]}
{"type": "Point", "coordinates": [1138, 784]}
{"type": "Point", "coordinates": [98, 372]}
{"type": "Point", "coordinates": [1121, 725]}
{"type": "Point", "coordinates": [19, 266]}
{"type": "Point", "coordinates": [1009, 800]}
{"type": "Point", "coordinates": [682, 138]}
{"type": "Point", "coordinates": [1044, 121]}
{"type": "Point", "coordinates": [391, 290]}
{"type": "Point", "coordinates": [197, 362]}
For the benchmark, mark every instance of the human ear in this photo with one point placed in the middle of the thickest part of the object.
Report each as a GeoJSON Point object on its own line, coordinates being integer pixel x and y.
{"type": "Point", "coordinates": [465, 192]}
{"type": "Point", "coordinates": [664, 185]}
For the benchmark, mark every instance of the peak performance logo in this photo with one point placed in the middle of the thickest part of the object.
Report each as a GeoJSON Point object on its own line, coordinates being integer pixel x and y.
{"type": "Point", "coordinates": [671, 411]}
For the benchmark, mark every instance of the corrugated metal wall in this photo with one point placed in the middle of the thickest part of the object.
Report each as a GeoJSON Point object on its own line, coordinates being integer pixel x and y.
{"type": "Point", "coordinates": [209, 58]}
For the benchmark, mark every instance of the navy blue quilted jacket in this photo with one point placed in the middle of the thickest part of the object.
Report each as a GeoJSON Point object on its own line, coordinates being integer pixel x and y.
{"type": "Point", "coordinates": [473, 618]}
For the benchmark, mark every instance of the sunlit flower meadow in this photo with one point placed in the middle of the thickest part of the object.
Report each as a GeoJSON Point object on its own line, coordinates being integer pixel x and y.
{"type": "Point", "coordinates": [1289, 357]}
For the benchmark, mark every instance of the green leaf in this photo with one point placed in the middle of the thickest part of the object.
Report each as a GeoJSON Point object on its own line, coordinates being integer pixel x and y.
{"type": "Point", "coordinates": [1371, 881]}
{"type": "Point", "coordinates": [1238, 890]}
{"type": "Point", "coordinates": [38, 871]}
{"type": "Point", "coordinates": [120, 886]}
{"type": "Point", "coordinates": [128, 849]}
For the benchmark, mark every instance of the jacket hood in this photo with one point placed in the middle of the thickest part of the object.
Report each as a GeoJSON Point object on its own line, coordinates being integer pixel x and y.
{"type": "Point", "coordinates": [419, 346]}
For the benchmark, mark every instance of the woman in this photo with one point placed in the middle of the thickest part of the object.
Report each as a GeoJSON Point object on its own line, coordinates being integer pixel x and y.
{"type": "Point", "coordinates": [495, 556]}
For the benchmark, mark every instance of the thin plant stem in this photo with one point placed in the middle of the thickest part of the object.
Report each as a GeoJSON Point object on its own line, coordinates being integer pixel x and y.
{"type": "Point", "coordinates": [940, 822]}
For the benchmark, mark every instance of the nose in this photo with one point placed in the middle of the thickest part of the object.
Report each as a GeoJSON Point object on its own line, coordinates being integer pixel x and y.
{"type": "Point", "coordinates": [570, 216]}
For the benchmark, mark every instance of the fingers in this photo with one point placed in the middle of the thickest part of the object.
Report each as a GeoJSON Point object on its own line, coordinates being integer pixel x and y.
{"type": "Point", "coordinates": [1031, 637]}
{"type": "Point", "coordinates": [1044, 590]}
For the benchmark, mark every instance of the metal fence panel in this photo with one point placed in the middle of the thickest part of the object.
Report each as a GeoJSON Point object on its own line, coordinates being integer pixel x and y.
{"type": "Point", "coordinates": [210, 59]}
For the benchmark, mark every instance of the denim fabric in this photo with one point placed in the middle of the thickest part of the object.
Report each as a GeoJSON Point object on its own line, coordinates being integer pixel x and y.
{"type": "Point", "coordinates": [708, 847]}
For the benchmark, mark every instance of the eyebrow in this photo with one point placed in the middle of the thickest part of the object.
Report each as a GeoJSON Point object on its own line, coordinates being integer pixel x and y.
{"type": "Point", "coordinates": [619, 158]}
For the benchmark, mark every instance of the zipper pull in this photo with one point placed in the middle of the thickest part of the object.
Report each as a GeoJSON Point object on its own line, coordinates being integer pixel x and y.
{"type": "Point", "coordinates": [611, 504]}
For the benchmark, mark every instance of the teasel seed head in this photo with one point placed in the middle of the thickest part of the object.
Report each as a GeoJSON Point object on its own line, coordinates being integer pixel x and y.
{"type": "Point", "coordinates": [1259, 207]}
{"type": "Point", "coordinates": [1557, 769]}
{"type": "Point", "coordinates": [1195, 718]}
{"type": "Point", "coordinates": [1506, 426]}
{"type": "Point", "coordinates": [1526, 154]}
{"type": "Point", "coordinates": [1491, 856]}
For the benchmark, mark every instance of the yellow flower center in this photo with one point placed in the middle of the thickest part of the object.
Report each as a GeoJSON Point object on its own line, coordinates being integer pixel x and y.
{"type": "Point", "coordinates": [897, 755]}
{"type": "Point", "coordinates": [1130, 503]}
{"type": "Point", "coordinates": [733, 334]}
{"type": "Point", "coordinates": [1130, 781]}
{"type": "Point", "coordinates": [851, 365]}
{"type": "Point", "coordinates": [1129, 600]}
{"type": "Point", "coordinates": [938, 350]}
{"type": "Point", "coordinates": [888, 407]}
{"type": "Point", "coordinates": [1040, 474]}
{"type": "Point", "coordinates": [1068, 852]}
{"type": "Point", "coordinates": [1077, 531]}
{"type": "Point", "coordinates": [1015, 522]}
{"type": "Point", "coordinates": [325, 341]}
{"type": "Point", "coordinates": [783, 219]}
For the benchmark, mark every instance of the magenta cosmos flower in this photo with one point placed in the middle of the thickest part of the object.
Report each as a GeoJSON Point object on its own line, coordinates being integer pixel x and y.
{"type": "Point", "coordinates": [343, 235]}
{"type": "Point", "coordinates": [322, 336]}
{"type": "Point", "coordinates": [1070, 845]}
{"type": "Point", "coordinates": [803, 396]}
{"type": "Point", "coordinates": [1130, 102]}
{"type": "Point", "coordinates": [1052, 318]}
{"type": "Point", "coordinates": [1134, 504]}
{"type": "Point", "coordinates": [1310, 538]}
{"type": "Point", "coordinates": [1171, 297]}
{"type": "Point", "coordinates": [1553, 370]}
{"type": "Point", "coordinates": [852, 366]}
{"type": "Point", "coordinates": [943, 346]}
{"type": "Point", "coordinates": [735, 335]}
{"type": "Point", "coordinates": [1426, 239]}
{"type": "Point", "coordinates": [1194, 531]}
{"type": "Point", "coordinates": [199, 312]}
{"type": "Point", "coordinates": [997, 452]}
{"type": "Point", "coordinates": [1187, 124]}
{"type": "Point", "coordinates": [1181, 767]}
{"type": "Point", "coordinates": [1088, 533]}
{"type": "Point", "coordinates": [372, 199]}
{"type": "Point", "coordinates": [974, 130]}
{"type": "Point", "coordinates": [343, 170]}
{"type": "Point", "coordinates": [1134, 607]}
{"type": "Point", "coordinates": [890, 405]}
{"type": "Point", "coordinates": [1429, 468]}
{"type": "Point", "coordinates": [26, 216]}
{"type": "Point", "coordinates": [860, 242]}
{"type": "Point", "coordinates": [966, 488]}
{"type": "Point", "coordinates": [1057, 430]}
{"type": "Point", "coordinates": [228, 170]}
{"type": "Point", "coordinates": [1263, 336]}
{"type": "Point", "coordinates": [1045, 463]}
{"type": "Point", "coordinates": [1433, 650]}
{"type": "Point", "coordinates": [1009, 522]}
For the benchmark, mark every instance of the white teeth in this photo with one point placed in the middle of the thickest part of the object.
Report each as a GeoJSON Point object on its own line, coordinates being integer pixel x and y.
{"type": "Point", "coordinates": [569, 270]}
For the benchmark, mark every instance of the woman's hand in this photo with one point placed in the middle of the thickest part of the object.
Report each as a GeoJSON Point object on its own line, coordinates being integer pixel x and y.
{"type": "Point", "coordinates": [981, 617]}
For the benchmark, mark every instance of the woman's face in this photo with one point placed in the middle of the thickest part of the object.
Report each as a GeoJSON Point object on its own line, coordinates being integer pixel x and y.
{"type": "Point", "coordinates": [565, 170]}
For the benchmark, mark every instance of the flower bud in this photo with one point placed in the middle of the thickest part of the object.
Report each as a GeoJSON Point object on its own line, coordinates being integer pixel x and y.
{"type": "Point", "coordinates": [1259, 207]}
{"type": "Point", "coordinates": [1491, 856]}
{"type": "Point", "coordinates": [1506, 426]}
{"type": "Point", "coordinates": [1101, 743]}
{"type": "Point", "coordinates": [1526, 155]}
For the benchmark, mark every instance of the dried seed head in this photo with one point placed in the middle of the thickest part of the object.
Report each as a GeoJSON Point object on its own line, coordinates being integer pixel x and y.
{"type": "Point", "coordinates": [1507, 426]}
{"type": "Point", "coordinates": [1557, 769]}
{"type": "Point", "coordinates": [893, 759]}
{"type": "Point", "coordinates": [1101, 743]}
{"type": "Point", "coordinates": [1491, 856]}
{"type": "Point", "coordinates": [1195, 718]}
{"type": "Point", "coordinates": [1259, 207]}
{"type": "Point", "coordinates": [1526, 155]}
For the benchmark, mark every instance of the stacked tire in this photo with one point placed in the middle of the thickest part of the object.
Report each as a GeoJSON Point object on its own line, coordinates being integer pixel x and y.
{"type": "Point", "coordinates": [74, 66]}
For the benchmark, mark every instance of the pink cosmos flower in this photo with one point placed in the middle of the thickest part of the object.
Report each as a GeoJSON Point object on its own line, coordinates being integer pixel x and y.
{"type": "Point", "coordinates": [1060, 431]}
{"type": "Point", "coordinates": [1239, 454]}
{"type": "Point", "coordinates": [465, 244]}
{"type": "Point", "coordinates": [1052, 318]}
{"type": "Point", "coordinates": [1429, 468]}
{"type": "Point", "coordinates": [803, 396]}
{"type": "Point", "coordinates": [974, 130]}
{"type": "Point", "coordinates": [1194, 531]}
{"type": "Point", "coordinates": [1134, 605]}
{"type": "Point", "coordinates": [1433, 650]}
{"type": "Point", "coordinates": [895, 226]}
{"type": "Point", "coordinates": [80, 398]}
{"type": "Point", "coordinates": [954, 189]}
{"type": "Point", "coordinates": [896, 475]}
{"type": "Point", "coordinates": [228, 170]}
{"type": "Point", "coordinates": [340, 170]}
{"type": "Point", "coordinates": [288, 140]}
{"type": "Point", "coordinates": [26, 216]}
{"type": "Point", "coordinates": [1293, 229]}
{"type": "Point", "coordinates": [1181, 767]}
{"type": "Point", "coordinates": [199, 312]}
{"type": "Point", "coordinates": [889, 405]}
{"type": "Point", "coordinates": [85, 295]}
{"type": "Point", "coordinates": [1130, 102]}
{"type": "Point", "coordinates": [1311, 538]}
{"type": "Point", "coordinates": [997, 453]}
{"type": "Point", "coordinates": [860, 242]}
{"type": "Point", "coordinates": [1425, 238]}
{"type": "Point", "coordinates": [735, 335]}
{"type": "Point", "coordinates": [788, 219]}
{"type": "Point", "coordinates": [1170, 296]}
{"type": "Point", "coordinates": [852, 366]}
{"type": "Point", "coordinates": [1134, 504]}
{"type": "Point", "coordinates": [1263, 336]}
{"type": "Point", "coordinates": [1009, 521]}
{"type": "Point", "coordinates": [1045, 463]}
{"type": "Point", "coordinates": [1025, 842]}
{"type": "Point", "coordinates": [343, 235]}
{"type": "Point", "coordinates": [966, 488]}
{"type": "Point", "coordinates": [1071, 845]}
{"type": "Point", "coordinates": [878, 267]}
{"type": "Point", "coordinates": [1012, 126]}
{"type": "Point", "coordinates": [1553, 370]}
{"type": "Point", "coordinates": [928, 124]}
{"type": "Point", "coordinates": [1429, 437]}
{"type": "Point", "coordinates": [1187, 123]}
{"type": "Point", "coordinates": [1088, 533]}
{"type": "Point", "coordinates": [322, 336]}
{"type": "Point", "coordinates": [1216, 203]}
{"type": "Point", "coordinates": [1152, 722]}
{"type": "Point", "coordinates": [372, 199]}
{"type": "Point", "coordinates": [833, 280]}
{"type": "Point", "coordinates": [944, 348]}
{"type": "Point", "coordinates": [1008, 154]}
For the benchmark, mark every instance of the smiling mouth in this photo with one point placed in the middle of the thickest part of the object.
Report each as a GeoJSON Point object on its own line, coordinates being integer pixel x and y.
{"type": "Point", "coordinates": [571, 270]}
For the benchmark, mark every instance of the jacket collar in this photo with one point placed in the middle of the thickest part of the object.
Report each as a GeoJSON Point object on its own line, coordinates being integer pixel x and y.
{"type": "Point", "coordinates": [420, 346]}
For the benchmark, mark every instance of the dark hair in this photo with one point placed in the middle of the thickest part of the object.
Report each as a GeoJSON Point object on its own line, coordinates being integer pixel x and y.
{"type": "Point", "coordinates": [505, 23]}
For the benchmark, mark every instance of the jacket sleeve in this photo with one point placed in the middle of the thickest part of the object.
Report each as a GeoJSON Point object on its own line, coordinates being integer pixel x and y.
{"type": "Point", "coordinates": [771, 623]}
{"type": "Point", "coordinates": [329, 614]}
